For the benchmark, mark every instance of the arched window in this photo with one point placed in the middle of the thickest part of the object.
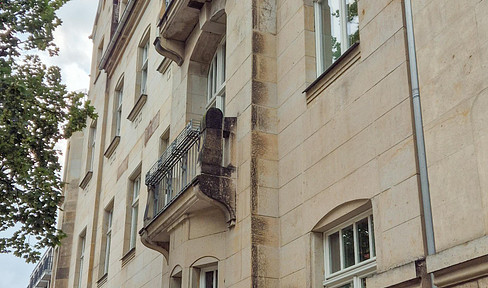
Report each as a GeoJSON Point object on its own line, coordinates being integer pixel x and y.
{"type": "Point", "coordinates": [344, 246]}
{"type": "Point", "coordinates": [349, 252]}
{"type": "Point", "coordinates": [205, 273]}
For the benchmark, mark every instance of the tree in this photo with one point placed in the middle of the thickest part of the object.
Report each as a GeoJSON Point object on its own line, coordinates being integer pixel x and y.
{"type": "Point", "coordinates": [36, 111]}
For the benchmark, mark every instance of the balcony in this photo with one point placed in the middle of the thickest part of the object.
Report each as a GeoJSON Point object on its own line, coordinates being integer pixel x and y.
{"type": "Point", "coordinates": [189, 177]}
{"type": "Point", "coordinates": [41, 276]}
{"type": "Point", "coordinates": [181, 17]}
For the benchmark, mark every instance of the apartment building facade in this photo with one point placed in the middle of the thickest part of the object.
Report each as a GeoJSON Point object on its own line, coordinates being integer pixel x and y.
{"type": "Point", "coordinates": [281, 143]}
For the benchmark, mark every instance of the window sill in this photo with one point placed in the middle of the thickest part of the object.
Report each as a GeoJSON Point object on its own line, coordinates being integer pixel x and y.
{"type": "Point", "coordinates": [339, 67]}
{"type": "Point", "coordinates": [137, 107]}
{"type": "Point", "coordinates": [363, 269]}
{"type": "Point", "coordinates": [131, 254]}
{"type": "Point", "coordinates": [111, 148]}
{"type": "Point", "coordinates": [164, 65]}
{"type": "Point", "coordinates": [86, 179]}
{"type": "Point", "coordinates": [98, 75]}
{"type": "Point", "coordinates": [102, 280]}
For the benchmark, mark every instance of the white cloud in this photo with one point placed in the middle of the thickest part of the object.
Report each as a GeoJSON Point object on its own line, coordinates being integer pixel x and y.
{"type": "Point", "coordinates": [74, 57]}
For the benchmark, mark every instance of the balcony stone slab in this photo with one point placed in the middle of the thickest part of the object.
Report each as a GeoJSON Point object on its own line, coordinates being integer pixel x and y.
{"type": "Point", "coordinates": [210, 186]}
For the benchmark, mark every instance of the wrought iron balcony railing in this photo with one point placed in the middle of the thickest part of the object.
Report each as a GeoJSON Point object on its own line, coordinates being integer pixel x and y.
{"type": "Point", "coordinates": [41, 275]}
{"type": "Point", "coordinates": [175, 170]}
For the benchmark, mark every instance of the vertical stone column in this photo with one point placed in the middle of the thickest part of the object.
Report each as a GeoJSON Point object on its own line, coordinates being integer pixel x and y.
{"type": "Point", "coordinates": [264, 150]}
{"type": "Point", "coordinates": [62, 254]}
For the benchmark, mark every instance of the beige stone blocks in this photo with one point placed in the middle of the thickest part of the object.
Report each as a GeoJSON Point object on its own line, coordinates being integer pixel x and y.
{"type": "Point", "coordinates": [291, 225]}
{"type": "Point", "coordinates": [291, 194]}
{"type": "Point", "coordinates": [399, 204]}
{"type": "Point", "coordinates": [293, 256]}
{"type": "Point", "coordinates": [266, 202]}
{"type": "Point", "coordinates": [399, 245]}
{"type": "Point", "coordinates": [381, 27]}
{"type": "Point", "coordinates": [456, 199]}
{"type": "Point", "coordinates": [293, 135]}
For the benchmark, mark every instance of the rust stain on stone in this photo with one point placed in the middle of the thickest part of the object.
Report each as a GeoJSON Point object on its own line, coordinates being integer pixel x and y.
{"type": "Point", "coordinates": [151, 127]}
{"type": "Point", "coordinates": [123, 167]}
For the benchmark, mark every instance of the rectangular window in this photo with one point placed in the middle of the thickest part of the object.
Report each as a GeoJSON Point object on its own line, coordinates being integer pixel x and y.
{"type": "Point", "coordinates": [349, 253]}
{"type": "Point", "coordinates": [81, 259]}
{"type": "Point", "coordinates": [91, 148]}
{"type": "Point", "coordinates": [119, 93]}
{"type": "Point", "coordinates": [99, 53]}
{"type": "Point", "coordinates": [216, 79]}
{"type": "Point", "coordinates": [209, 277]}
{"type": "Point", "coordinates": [336, 29]}
{"type": "Point", "coordinates": [136, 187]}
{"type": "Point", "coordinates": [108, 240]}
{"type": "Point", "coordinates": [144, 63]}
{"type": "Point", "coordinates": [164, 142]}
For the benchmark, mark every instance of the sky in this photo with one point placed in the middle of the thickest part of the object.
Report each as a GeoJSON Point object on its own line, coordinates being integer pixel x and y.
{"type": "Point", "coordinates": [74, 60]}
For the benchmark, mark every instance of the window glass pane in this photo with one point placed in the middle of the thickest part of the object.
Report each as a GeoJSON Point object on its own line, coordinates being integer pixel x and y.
{"type": "Point", "coordinates": [133, 228]}
{"type": "Point", "coordinates": [373, 248]}
{"type": "Point", "coordinates": [209, 279]}
{"type": "Point", "coordinates": [332, 28]}
{"type": "Point", "coordinates": [348, 246]}
{"type": "Point", "coordinates": [335, 256]}
{"type": "Point", "coordinates": [223, 63]}
{"type": "Point", "coordinates": [216, 279]}
{"type": "Point", "coordinates": [352, 22]}
{"type": "Point", "coordinates": [348, 285]}
{"type": "Point", "coordinates": [137, 187]}
{"type": "Point", "coordinates": [363, 282]}
{"type": "Point", "coordinates": [363, 240]}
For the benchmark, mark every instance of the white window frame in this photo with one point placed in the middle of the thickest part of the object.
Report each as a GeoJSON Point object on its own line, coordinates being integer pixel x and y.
{"type": "Point", "coordinates": [216, 79]}
{"type": "Point", "coordinates": [136, 188]}
{"type": "Point", "coordinates": [108, 240]}
{"type": "Point", "coordinates": [320, 41]}
{"type": "Point", "coordinates": [359, 270]}
{"type": "Point", "coordinates": [213, 269]}
{"type": "Point", "coordinates": [93, 138]}
{"type": "Point", "coordinates": [144, 66]}
{"type": "Point", "coordinates": [81, 259]}
{"type": "Point", "coordinates": [119, 95]}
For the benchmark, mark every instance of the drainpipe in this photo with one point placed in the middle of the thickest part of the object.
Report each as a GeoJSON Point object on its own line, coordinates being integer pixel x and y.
{"type": "Point", "coordinates": [419, 132]}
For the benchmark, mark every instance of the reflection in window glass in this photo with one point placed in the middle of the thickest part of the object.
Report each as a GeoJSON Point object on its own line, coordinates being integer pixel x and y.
{"type": "Point", "coordinates": [352, 22]}
{"type": "Point", "coordinates": [348, 246]}
{"type": "Point", "coordinates": [363, 282]}
{"type": "Point", "coordinates": [209, 279]}
{"type": "Point", "coordinates": [373, 247]}
{"type": "Point", "coordinates": [348, 285]}
{"type": "Point", "coordinates": [335, 260]}
{"type": "Point", "coordinates": [363, 240]}
{"type": "Point", "coordinates": [336, 29]}
{"type": "Point", "coordinates": [349, 253]}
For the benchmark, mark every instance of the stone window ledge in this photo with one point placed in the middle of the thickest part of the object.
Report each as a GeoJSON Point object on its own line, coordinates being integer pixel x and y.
{"type": "Point", "coordinates": [164, 65]}
{"type": "Point", "coordinates": [86, 179]}
{"type": "Point", "coordinates": [137, 107]}
{"type": "Point", "coordinates": [339, 67]}
{"type": "Point", "coordinates": [460, 263]}
{"type": "Point", "coordinates": [111, 148]}
{"type": "Point", "coordinates": [131, 254]}
{"type": "Point", "coordinates": [102, 280]}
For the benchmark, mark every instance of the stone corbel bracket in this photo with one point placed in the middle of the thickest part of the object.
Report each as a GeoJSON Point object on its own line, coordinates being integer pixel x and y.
{"type": "Point", "coordinates": [172, 49]}
{"type": "Point", "coordinates": [215, 181]}
{"type": "Point", "coordinates": [161, 247]}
